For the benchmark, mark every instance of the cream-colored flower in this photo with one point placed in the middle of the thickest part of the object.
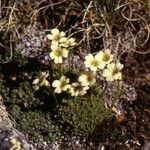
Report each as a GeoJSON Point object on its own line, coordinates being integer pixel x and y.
{"type": "Point", "coordinates": [92, 62]}
{"type": "Point", "coordinates": [16, 145]}
{"type": "Point", "coordinates": [105, 56]}
{"type": "Point", "coordinates": [61, 84]}
{"type": "Point", "coordinates": [113, 72]}
{"type": "Point", "coordinates": [58, 53]}
{"type": "Point", "coordinates": [41, 81]}
{"type": "Point", "coordinates": [77, 89]}
{"type": "Point", "coordinates": [87, 79]}
{"type": "Point", "coordinates": [67, 42]}
{"type": "Point", "coordinates": [56, 36]}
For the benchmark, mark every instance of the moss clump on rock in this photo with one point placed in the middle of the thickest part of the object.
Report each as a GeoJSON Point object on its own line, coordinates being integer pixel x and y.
{"type": "Point", "coordinates": [84, 113]}
{"type": "Point", "coordinates": [37, 124]}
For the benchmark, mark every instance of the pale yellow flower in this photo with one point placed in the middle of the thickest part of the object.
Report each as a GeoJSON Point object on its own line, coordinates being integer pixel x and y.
{"type": "Point", "coordinates": [16, 145]}
{"type": "Point", "coordinates": [105, 56]}
{"type": "Point", "coordinates": [56, 36]}
{"type": "Point", "coordinates": [41, 81]}
{"type": "Point", "coordinates": [113, 72]}
{"type": "Point", "coordinates": [77, 89]}
{"type": "Point", "coordinates": [61, 84]}
{"type": "Point", "coordinates": [87, 79]}
{"type": "Point", "coordinates": [67, 42]}
{"type": "Point", "coordinates": [92, 62]}
{"type": "Point", "coordinates": [58, 53]}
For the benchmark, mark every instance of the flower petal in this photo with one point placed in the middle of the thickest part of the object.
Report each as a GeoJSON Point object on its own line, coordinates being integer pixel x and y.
{"type": "Point", "coordinates": [35, 81]}
{"type": "Point", "coordinates": [55, 32]}
{"type": "Point", "coordinates": [65, 53]}
{"type": "Point", "coordinates": [62, 34]}
{"type": "Point", "coordinates": [50, 37]}
{"type": "Point", "coordinates": [56, 83]}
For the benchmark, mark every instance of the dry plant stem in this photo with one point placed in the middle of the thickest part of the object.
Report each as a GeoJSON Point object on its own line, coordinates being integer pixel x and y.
{"type": "Point", "coordinates": [118, 89]}
{"type": "Point", "coordinates": [148, 30]}
{"type": "Point", "coordinates": [87, 41]}
{"type": "Point", "coordinates": [54, 96]}
{"type": "Point", "coordinates": [10, 8]}
{"type": "Point", "coordinates": [108, 33]}
{"type": "Point", "coordinates": [69, 63]}
{"type": "Point", "coordinates": [2, 45]}
{"type": "Point", "coordinates": [10, 19]}
{"type": "Point", "coordinates": [76, 32]}
{"type": "Point", "coordinates": [127, 48]}
{"type": "Point", "coordinates": [100, 34]}
{"type": "Point", "coordinates": [117, 49]}
{"type": "Point", "coordinates": [130, 19]}
{"type": "Point", "coordinates": [104, 88]}
{"type": "Point", "coordinates": [63, 18]}
{"type": "Point", "coordinates": [118, 93]}
{"type": "Point", "coordinates": [13, 120]}
{"type": "Point", "coordinates": [50, 89]}
{"type": "Point", "coordinates": [51, 5]}
{"type": "Point", "coordinates": [87, 10]}
{"type": "Point", "coordinates": [11, 52]}
{"type": "Point", "coordinates": [120, 6]}
{"type": "Point", "coordinates": [0, 9]}
{"type": "Point", "coordinates": [130, 15]}
{"type": "Point", "coordinates": [61, 69]}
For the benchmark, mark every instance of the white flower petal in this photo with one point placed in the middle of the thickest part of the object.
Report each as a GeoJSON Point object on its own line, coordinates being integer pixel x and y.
{"type": "Point", "coordinates": [36, 88]}
{"type": "Point", "coordinates": [56, 83]}
{"type": "Point", "coordinates": [54, 47]}
{"type": "Point", "coordinates": [101, 65]}
{"type": "Point", "coordinates": [99, 55]}
{"type": "Point", "coordinates": [107, 73]}
{"type": "Point", "coordinates": [63, 40]}
{"type": "Point", "coordinates": [119, 66]}
{"type": "Point", "coordinates": [93, 68]}
{"type": "Point", "coordinates": [62, 34]}
{"type": "Point", "coordinates": [58, 60]}
{"type": "Point", "coordinates": [89, 57]}
{"type": "Point", "coordinates": [65, 53]}
{"type": "Point", "coordinates": [55, 43]}
{"type": "Point", "coordinates": [111, 66]}
{"type": "Point", "coordinates": [35, 81]}
{"type": "Point", "coordinates": [50, 37]}
{"type": "Point", "coordinates": [47, 84]}
{"type": "Point", "coordinates": [107, 51]}
{"type": "Point", "coordinates": [58, 90]}
{"type": "Point", "coordinates": [55, 32]}
{"type": "Point", "coordinates": [109, 79]}
{"type": "Point", "coordinates": [52, 55]}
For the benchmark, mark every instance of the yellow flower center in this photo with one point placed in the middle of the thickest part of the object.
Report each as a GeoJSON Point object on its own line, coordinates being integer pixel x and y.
{"type": "Point", "coordinates": [58, 53]}
{"type": "Point", "coordinates": [89, 78]}
{"type": "Point", "coordinates": [77, 88]}
{"type": "Point", "coordinates": [94, 63]}
{"type": "Point", "coordinates": [63, 83]}
{"type": "Point", "coordinates": [57, 37]}
{"type": "Point", "coordinates": [115, 71]}
{"type": "Point", "coordinates": [106, 57]}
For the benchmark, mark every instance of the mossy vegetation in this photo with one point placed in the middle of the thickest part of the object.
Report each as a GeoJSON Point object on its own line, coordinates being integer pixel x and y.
{"type": "Point", "coordinates": [37, 113]}
{"type": "Point", "coordinates": [84, 113]}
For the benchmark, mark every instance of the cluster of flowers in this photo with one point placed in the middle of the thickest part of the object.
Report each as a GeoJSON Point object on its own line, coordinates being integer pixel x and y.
{"type": "Point", "coordinates": [60, 46]}
{"type": "Point", "coordinates": [104, 60]}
